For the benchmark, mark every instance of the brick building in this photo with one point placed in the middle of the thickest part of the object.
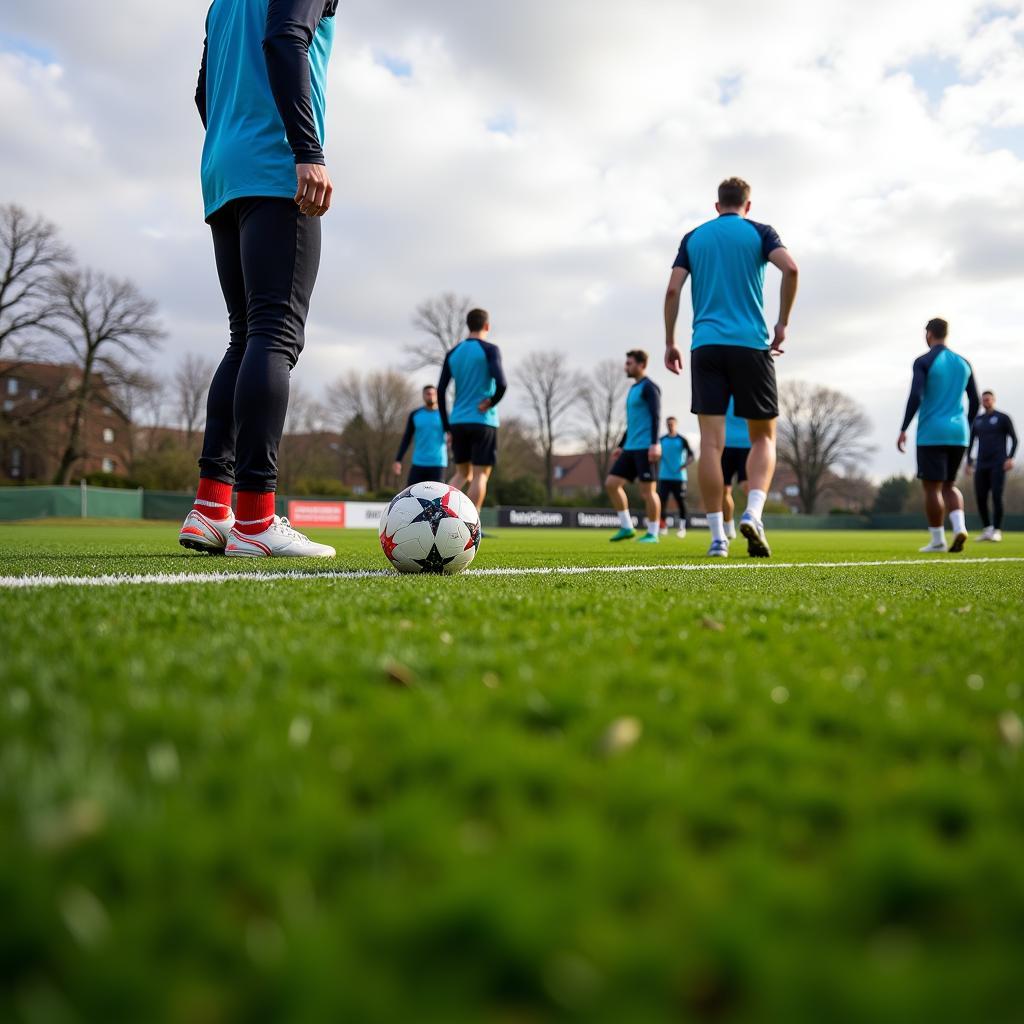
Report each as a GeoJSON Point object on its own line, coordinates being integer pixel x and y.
{"type": "Point", "coordinates": [35, 409]}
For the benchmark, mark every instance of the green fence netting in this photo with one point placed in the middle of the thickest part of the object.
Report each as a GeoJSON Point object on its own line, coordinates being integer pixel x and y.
{"type": "Point", "coordinates": [69, 502]}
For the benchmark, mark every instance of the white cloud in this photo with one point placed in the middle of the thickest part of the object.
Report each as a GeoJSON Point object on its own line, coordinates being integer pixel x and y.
{"type": "Point", "coordinates": [546, 158]}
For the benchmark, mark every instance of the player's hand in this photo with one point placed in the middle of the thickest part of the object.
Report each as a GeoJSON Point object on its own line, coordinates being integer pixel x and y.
{"type": "Point", "coordinates": [397, 469]}
{"type": "Point", "coordinates": [313, 190]}
{"type": "Point", "coordinates": [654, 452]}
{"type": "Point", "coordinates": [673, 358]}
{"type": "Point", "coordinates": [616, 454]}
{"type": "Point", "coordinates": [1008, 465]}
{"type": "Point", "coordinates": [778, 341]}
{"type": "Point", "coordinates": [484, 405]}
{"type": "Point", "coordinates": [901, 441]}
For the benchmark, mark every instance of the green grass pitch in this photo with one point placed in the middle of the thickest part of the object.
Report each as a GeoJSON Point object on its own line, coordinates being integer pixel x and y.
{"type": "Point", "coordinates": [765, 794]}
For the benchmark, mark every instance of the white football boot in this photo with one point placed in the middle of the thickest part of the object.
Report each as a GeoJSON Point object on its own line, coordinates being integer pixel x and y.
{"type": "Point", "coordinates": [959, 540]}
{"type": "Point", "coordinates": [200, 533]}
{"type": "Point", "coordinates": [730, 530]}
{"type": "Point", "coordinates": [278, 540]}
{"type": "Point", "coordinates": [681, 533]}
{"type": "Point", "coordinates": [934, 548]}
{"type": "Point", "coordinates": [987, 533]}
{"type": "Point", "coordinates": [997, 536]}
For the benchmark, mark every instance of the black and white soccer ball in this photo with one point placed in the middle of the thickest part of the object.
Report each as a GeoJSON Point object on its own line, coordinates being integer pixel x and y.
{"type": "Point", "coordinates": [430, 527]}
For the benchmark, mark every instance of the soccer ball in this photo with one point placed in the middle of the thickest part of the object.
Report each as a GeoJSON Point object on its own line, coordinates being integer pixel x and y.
{"type": "Point", "coordinates": [430, 527]}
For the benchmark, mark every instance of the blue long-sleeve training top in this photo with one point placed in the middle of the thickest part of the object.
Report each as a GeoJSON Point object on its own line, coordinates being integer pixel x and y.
{"type": "Point", "coordinates": [475, 367]}
{"type": "Point", "coordinates": [261, 95]}
{"type": "Point", "coordinates": [431, 448]}
{"type": "Point", "coordinates": [941, 379]}
{"type": "Point", "coordinates": [643, 414]}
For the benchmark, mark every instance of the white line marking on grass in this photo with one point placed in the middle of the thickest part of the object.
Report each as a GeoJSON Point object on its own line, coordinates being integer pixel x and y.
{"type": "Point", "coordinates": [181, 579]}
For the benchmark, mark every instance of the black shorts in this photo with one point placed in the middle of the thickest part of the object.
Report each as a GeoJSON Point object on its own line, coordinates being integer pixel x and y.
{"type": "Point", "coordinates": [475, 443]}
{"type": "Point", "coordinates": [426, 474]}
{"type": "Point", "coordinates": [672, 489]}
{"type": "Point", "coordinates": [747, 375]}
{"type": "Point", "coordinates": [633, 465]}
{"type": "Point", "coordinates": [939, 461]}
{"type": "Point", "coordinates": [734, 465]}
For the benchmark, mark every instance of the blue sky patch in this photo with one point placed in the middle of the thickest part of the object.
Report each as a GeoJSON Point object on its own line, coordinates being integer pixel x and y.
{"type": "Point", "coordinates": [398, 66]}
{"type": "Point", "coordinates": [27, 48]}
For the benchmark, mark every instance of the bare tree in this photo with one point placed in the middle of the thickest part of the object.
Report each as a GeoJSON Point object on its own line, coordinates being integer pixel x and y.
{"type": "Point", "coordinates": [552, 389]}
{"type": "Point", "coordinates": [190, 385]}
{"type": "Point", "coordinates": [443, 321]}
{"type": "Point", "coordinates": [602, 400]}
{"type": "Point", "coordinates": [136, 395]}
{"type": "Point", "coordinates": [103, 322]}
{"type": "Point", "coordinates": [30, 255]}
{"type": "Point", "coordinates": [820, 431]}
{"type": "Point", "coordinates": [371, 412]}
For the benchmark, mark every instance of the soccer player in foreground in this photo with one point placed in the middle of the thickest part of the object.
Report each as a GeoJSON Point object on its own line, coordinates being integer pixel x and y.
{"type": "Point", "coordinates": [637, 456]}
{"type": "Point", "coordinates": [734, 464]}
{"type": "Point", "coordinates": [430, 451]}
{"type": "Point", "coordinates": [992, 429]}
{"type": "Point", "coordinates": [475, 366]}
{"type": "Point", "coordinates": [941, 379]}
{"type": "Point", "coordinates": [676, 455]}
{"type": "Point", "coordinates": [265, 187]}
{"type": "Point", "coordinates": [732, 350]}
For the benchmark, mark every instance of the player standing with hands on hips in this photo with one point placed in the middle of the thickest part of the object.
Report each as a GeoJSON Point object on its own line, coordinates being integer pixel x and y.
{"type": "Point", "coordinates": [262, 83]}
{"type": "Point", "coordinates": [732, 351]}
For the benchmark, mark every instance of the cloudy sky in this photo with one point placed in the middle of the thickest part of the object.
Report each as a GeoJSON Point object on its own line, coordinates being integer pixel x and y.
{"type": "Point", "coordinates": [545, 157]}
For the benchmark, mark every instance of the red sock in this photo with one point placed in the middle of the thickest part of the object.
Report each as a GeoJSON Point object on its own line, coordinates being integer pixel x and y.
{"type": "Point", "coordinates": [213, 499]}
{"type": "Point", "coordinates": [255, 511]}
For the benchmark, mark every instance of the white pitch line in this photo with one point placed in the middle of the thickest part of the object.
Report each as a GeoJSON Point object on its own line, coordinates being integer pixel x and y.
{"type": "Point", "coordinates": [180, 579]}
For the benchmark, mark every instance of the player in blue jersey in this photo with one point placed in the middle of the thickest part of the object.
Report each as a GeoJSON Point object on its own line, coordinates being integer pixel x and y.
{"type": "Point", "coordinates": [475, 366]}
{"type": "Point", "coordinates": [636, 457]}
{"type": "Point", "coordinates": [734, 464]}
{"type": "Point", "coordinates": [997, 445]}
{"type": "Point", "coordinates": [732, 351]}
{"type": "Point", "coordinates": [260, 95]}
{"type": "Point", "coordinates": [941, 380]}
{"type": "Point", "coordinates": [430, 451]}
{"type": "Point", "coordinates": [676, 456]}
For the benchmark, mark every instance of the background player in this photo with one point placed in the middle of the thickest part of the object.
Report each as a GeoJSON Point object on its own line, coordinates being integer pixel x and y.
{"type": "Point", "coordinates": [475, 366]}
{"type": "Point", "coordinates": [260, 96]}
{"type": "Point", "coordinates": [732, 353]}
{"type": "Point", "coordinates": [734, 464]}
{"type": "Point", "coordinates": [638, 452]}
{"type": "Point", "coordinates": [992, 430]}
{"type": "Point", "coordinates": [676, 455]}
{"type": "Point", "coordinates": [430, 450]}
{"type": "Point", "coordinates": [941, 379]}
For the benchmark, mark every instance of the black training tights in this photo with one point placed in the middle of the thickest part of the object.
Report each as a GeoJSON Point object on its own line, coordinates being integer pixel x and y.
{"type": "Point", "coordinates": [991, 479]}
{"type": "Point", "coordinates": [267, 256]}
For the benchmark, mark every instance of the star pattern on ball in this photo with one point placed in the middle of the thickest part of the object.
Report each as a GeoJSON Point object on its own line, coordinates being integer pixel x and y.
{"type": "Point", "coordinates": [434, 562]}
{"type": "Point", "coordinates": [474, 536]}
{"type": "Point", "coordinates": [388, 544]}
{"type": "Point", "coordinates": [434, 512]}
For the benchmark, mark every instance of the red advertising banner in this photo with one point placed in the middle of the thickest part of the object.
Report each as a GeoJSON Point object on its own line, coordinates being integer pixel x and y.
{"type": "Point", "coordinates": [316, 513]}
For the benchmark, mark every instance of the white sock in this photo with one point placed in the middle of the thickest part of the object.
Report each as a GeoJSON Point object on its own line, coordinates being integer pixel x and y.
{"type": "Point", "coordinates": [958, 521]}
{"type": "Point", "coordinates": [626, 520]}
{"type": "Point", "coordinates": [654, 527]}
{"type": "Point", "coordinates": [755, 503]}
{"type": "Point", "coordinates": [730, 529]}
{"type": "Point", "coordinates": [716, 520]}
{"type": "Point", "coordinates": [938, 534]}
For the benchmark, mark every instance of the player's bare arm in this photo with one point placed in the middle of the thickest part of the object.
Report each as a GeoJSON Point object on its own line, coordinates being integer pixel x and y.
{"type": "Point", "coordinates": [787, 295]}
{"type": "Point", "coordinates": [673, 356]}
